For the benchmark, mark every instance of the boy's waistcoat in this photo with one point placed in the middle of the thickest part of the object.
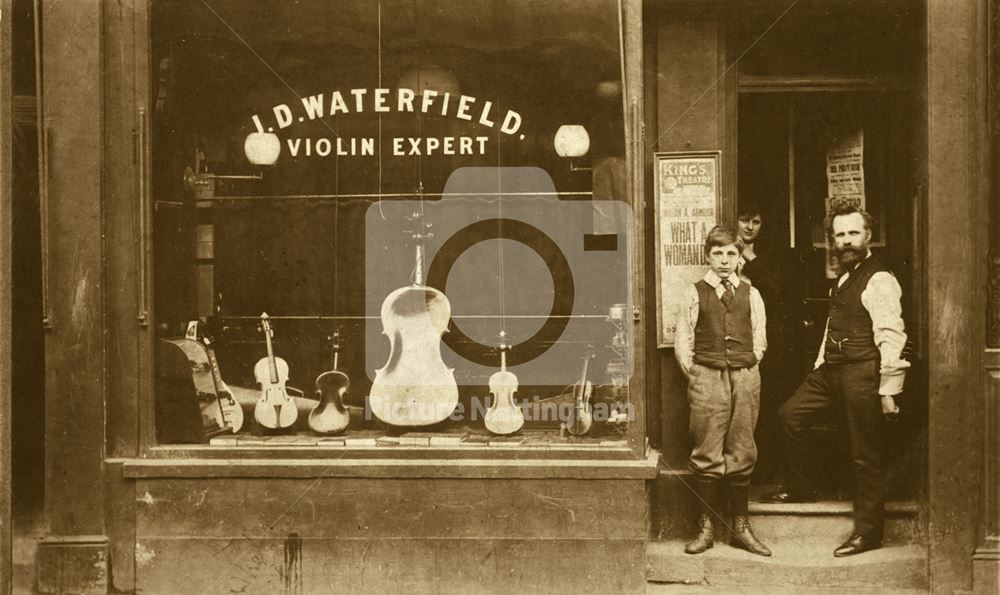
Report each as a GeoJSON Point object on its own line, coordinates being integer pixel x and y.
{"type": "Point", "coordinates": [723, 338]}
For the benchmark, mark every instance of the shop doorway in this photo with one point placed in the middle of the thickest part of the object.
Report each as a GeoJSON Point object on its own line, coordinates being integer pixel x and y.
{"type": "Point", "coordinates": [796, 149]}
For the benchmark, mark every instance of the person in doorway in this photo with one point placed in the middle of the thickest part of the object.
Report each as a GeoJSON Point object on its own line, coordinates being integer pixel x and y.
{"type": "Point", "coordinates": [859, 368]}
{"type": "Point", "coordinates": [762, 272]}
{"type": "Point", "coordinates": [721, 335]}
{"type": "Point", "coordinates": [767, 271]}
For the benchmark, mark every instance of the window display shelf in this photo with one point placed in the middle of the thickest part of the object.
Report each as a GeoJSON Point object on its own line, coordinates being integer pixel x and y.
{"type": "Point", "coordinates": [369, 443]}
{"type": "Point", "coordinates": [458, 440]}
{"type": "Point", "coordinates": [439, 467]}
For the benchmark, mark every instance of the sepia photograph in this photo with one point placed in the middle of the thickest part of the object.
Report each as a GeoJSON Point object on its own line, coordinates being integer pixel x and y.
{"type": "Point", "coordinates": [539, 296]}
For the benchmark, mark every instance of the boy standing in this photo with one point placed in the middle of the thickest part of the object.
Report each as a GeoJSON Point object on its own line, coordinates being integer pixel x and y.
{"type": "Point", "coordinates": [721, 335]}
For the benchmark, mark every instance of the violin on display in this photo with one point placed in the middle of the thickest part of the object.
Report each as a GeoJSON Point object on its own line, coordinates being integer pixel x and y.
{"type": "Point", "coordinates": [274, 409]}
{"type": "Point", "coordinates": [230, 412]}
{"type": "Point", "coordinates": [330, 416]}
{"type": "Point", "coordinates": [581, 418]}
{"type": "Point", "coordinates": [193, 404]}
{"type": "Point", "coordinates": [503, 416]}
{"type": "Point", "coordinates": [414, 388]}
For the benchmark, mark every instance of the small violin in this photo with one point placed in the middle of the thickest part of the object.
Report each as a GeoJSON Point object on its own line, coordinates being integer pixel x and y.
{"type": "Point", "coordinates": [503, 416]}
{"type": "Point", "coordinates": [581, 418]}
{"type": "Point", "coordinates": [330, 416]}
{"type": "Point", "coordinates": [274, 409]}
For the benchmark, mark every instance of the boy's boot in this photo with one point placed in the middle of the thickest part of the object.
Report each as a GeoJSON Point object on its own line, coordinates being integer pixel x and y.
{"type": "Point", "coordinates": [741, 534]}
{"type": "Point", "coordinates": [707, 493]}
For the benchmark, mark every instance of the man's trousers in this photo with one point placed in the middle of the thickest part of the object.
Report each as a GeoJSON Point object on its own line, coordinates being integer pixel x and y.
{"type": "Point", "coordinates": [853, 388]}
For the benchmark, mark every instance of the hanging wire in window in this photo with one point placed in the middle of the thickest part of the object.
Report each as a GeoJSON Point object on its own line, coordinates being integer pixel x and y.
{"type": "Point", "coordinates": [723, 74]}
{"type": "Point", "coordinates": [381, 214]}
{"type": "Point", "coordinates": [267, 65]}
{"type": "Point", "coordinates": [500, 237]}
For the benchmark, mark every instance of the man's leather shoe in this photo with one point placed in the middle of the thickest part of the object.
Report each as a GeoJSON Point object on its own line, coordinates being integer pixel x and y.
{"type": "Point", "coordinates": [857, 544]}
{"type": "Point", "coordinates": [789, 497]}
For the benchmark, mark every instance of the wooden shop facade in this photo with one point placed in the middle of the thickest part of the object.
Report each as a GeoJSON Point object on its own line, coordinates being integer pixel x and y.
{"type": "Point", "coordinates": [312, 297]}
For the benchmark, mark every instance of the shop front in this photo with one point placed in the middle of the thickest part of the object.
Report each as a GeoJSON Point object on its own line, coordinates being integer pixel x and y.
{"type": "Point", "coordinates": [366, 294]}
{"type": "Point", "coordinates": [346, 299]}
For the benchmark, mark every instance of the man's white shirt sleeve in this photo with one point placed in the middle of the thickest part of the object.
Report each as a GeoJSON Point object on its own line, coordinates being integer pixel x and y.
{"type": "Point", "coordinates": [882, 300]}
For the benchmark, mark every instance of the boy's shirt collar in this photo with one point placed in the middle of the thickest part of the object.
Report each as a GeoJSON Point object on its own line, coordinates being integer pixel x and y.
{"type": "Point", "coordinates": [714, 280]}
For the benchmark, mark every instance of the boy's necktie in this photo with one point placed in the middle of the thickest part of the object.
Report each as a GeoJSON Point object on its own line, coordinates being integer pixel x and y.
{"type": "Point", "coordinates": [727, 294]}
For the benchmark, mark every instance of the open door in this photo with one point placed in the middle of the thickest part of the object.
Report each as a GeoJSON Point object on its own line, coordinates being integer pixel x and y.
{"type": "Point", "coordinates": [797, 150]}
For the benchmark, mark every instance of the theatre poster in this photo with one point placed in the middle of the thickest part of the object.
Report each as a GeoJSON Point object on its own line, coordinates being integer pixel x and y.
{"type": "Point", "coordinates": [686, 196]}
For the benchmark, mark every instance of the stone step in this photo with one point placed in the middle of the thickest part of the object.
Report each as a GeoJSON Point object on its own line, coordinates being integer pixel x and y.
{"type": "Point", "coordinates": [831, 521]}
{"type": "Point", "coordinates": [678, 589]}
{"type": "Point", "coordinates": [810, 565]}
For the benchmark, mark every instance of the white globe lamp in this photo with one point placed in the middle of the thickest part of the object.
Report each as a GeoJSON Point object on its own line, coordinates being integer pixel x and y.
{"type": "Point", "coordinates": [262, 148]}
{"type": "Point", "coordinates": [572, 140]}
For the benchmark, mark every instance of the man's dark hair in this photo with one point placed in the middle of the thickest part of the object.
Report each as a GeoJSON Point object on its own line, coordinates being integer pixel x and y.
{"type": "Point", "coordinates": [839, 207]}
{"type": "Point", "coordinates": [722, 236]}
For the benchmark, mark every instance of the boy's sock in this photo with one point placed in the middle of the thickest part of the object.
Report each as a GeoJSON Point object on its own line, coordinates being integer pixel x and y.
{"type": "Point", "coordinates": [737, 496]}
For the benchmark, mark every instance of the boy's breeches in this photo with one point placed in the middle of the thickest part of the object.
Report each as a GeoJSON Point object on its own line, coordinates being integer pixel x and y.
{"type": "Point", "coordinates": [724, 406]}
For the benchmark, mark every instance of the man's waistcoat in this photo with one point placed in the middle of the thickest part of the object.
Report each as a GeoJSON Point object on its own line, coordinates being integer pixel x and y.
{"type": "Point", "coordinates": [850, 337]}
{"type": "Point", "coordinates": [723, 338]}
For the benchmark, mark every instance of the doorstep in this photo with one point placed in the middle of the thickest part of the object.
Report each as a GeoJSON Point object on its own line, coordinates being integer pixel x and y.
{"type": "Point", "coordinates": [792, 565]}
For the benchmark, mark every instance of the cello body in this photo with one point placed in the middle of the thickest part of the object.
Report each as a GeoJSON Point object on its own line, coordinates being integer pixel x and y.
{"type": "Point", "coordinates": [415, 388]}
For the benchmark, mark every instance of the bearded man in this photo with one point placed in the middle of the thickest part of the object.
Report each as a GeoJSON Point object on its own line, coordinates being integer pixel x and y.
{"type": "Point", "coordinates": [859, 370]}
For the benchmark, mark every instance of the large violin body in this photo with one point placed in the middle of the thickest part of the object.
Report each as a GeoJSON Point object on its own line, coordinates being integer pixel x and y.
{"type": "Point", "coordinates": [274, 409]}
{"type": "Point", "coordinates": [415, 387]}
{"type": "Point", "coordinates": [503, 416]}
{"type": "Point", "coordinates": [330, 416]}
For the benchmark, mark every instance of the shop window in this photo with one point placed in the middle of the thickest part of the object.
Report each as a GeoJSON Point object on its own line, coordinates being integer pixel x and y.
{"type": "Point", "coordinates": [309, 159]}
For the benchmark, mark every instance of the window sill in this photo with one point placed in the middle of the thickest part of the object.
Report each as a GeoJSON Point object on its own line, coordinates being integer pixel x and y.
{"type": "Point", "coordinates": [360, 466]}
{"type": "Point", "coordinates": [372, 444]}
